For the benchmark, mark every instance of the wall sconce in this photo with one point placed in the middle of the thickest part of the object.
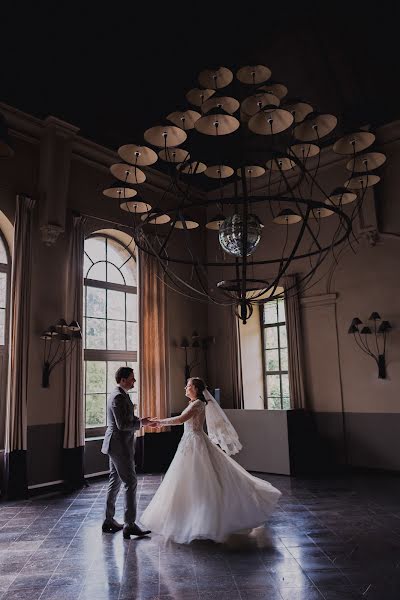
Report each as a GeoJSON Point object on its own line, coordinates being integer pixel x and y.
{"type": "Point", "coordinates": [198, 343]}
{"type": "Point", "coordinates": [60, 341]}
{"type": "Point", "coordinates": [377, 335]}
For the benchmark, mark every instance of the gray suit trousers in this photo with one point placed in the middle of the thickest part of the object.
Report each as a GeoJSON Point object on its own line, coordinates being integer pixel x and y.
{"type": "Point", "coordinates": [122, 471]}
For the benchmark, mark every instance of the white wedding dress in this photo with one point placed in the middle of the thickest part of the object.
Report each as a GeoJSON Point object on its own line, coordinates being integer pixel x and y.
{"type": "Point", "coordinates": [205, 494]}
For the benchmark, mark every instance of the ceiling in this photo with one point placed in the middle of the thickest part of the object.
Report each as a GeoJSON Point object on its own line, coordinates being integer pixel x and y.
{"type": "Point", "coordinates": [115, 71]}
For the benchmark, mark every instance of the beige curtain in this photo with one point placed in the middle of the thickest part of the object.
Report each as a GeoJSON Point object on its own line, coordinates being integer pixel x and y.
{"type": "Point", "coordinates": [152, 340]}
{"type": "Point", "coordinates": [236, 361]}
{"type": "Point", "coordinates": [295, 346]}
{"type": "Point", "coordinates": [74, 430]}
{"type": "Point", "coordinates": [20, 302]}
{"type": "Point", "coordinates": [74, 419]}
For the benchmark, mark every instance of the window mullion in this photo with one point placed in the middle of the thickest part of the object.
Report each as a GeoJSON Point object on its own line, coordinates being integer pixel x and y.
{"type": "Point", "coordinates": [279, 356]}
{"type": "Point", "coordinates": [126, 324]}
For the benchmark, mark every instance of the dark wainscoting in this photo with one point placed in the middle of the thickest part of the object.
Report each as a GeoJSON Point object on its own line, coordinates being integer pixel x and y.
{"type": "Point", "coordinates": [94, 460]}
{"type": "Point", "coordinates": [155, 451]}
{"type": "Point", "coordinates": [44, 454]}
{"type": "Point", "coordinates": [317, 445]}
{"type": "Point", "coordinates": [368, 440]}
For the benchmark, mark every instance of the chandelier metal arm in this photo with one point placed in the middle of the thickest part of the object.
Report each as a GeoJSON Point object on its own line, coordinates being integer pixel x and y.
{"type": "Point", "coordinates": [244, 263]}
{"type": "Point", "coordinates": [288, 137]}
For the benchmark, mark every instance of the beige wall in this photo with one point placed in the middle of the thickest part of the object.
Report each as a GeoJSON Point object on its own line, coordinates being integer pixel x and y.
{"type": "Point", "coordinates": [83, 169]}
{"type": "Point", "coordinates": [252, 363]}
{"type": "Point", "coordinates": [338, 374]}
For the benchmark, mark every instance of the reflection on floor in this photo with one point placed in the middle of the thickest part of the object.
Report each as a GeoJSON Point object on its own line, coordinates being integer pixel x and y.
{"type": "Point", "coordinates": [333, 539]}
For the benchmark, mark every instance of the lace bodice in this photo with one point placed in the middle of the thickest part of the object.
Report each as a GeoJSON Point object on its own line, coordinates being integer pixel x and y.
{"type": "Point", "coordinates": [193, 417]}
{"type": "Point", "coordinates": [196, 421]}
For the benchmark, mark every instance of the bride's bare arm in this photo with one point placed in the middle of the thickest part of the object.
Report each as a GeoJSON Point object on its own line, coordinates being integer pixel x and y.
{"type": "Point", "coordinates": [178, 420]}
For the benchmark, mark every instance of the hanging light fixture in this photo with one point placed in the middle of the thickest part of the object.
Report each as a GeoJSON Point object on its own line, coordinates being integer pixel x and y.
{"type": "Point", "coordinates": [258, 152]}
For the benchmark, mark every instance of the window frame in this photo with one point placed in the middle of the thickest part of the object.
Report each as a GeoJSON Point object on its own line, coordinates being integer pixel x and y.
{"type": "Point", "coordinates": [4, 348]}
{"type": "Point", "coordinates": [105, 355]}
{"type": "Point", "coordinates": [280, 372]}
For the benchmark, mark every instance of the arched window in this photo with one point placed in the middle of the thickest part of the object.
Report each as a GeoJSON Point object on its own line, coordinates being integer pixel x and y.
{"type": "Point", "coordinates": [110, 323]}
{"type": "Point", "coordinates": [4, 324]}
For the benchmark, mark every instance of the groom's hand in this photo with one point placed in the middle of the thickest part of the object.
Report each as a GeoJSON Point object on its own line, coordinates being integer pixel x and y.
{"type": "Point", "coordinates": [148, 422]}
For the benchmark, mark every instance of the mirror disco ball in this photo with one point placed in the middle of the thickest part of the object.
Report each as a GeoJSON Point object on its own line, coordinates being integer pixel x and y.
{"type": "Point", "coordinates": [231, 235]}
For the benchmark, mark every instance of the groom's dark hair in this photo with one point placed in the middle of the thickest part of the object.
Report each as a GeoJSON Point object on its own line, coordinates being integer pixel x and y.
{"type": "Point", "coordinates": [123, 373]}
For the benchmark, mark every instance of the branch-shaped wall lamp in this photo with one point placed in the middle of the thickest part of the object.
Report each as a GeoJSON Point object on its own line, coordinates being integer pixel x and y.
{"type": "Point", "coordinates": [372, 340]}
{"type": "Point", "coordinates": [60, 341]}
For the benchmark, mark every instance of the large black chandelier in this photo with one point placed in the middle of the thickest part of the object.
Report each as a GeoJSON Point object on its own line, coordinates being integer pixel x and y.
{"type": "Point", "coordinates": [266, 197]}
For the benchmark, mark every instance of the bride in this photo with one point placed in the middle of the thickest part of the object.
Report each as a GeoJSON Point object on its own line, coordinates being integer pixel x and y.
{"type": "Point", "coordinates": [205, 494]}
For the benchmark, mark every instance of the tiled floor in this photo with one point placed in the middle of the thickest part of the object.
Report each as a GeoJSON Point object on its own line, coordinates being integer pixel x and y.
{"type": "Point", "coordinates": [333, 539]}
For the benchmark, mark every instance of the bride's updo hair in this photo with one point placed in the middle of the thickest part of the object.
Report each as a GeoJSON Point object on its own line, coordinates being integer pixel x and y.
{"type": "Point", "coordinates": [200, 386]}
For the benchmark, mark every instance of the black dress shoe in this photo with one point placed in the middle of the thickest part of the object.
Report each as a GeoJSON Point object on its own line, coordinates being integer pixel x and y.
{"type": "Point", "coordinates": [111, 526]}
{"type": "Point", "coordinates": [134, 530]}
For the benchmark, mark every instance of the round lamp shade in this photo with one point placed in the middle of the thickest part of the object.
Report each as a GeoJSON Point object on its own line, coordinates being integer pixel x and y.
{"type": "Point", "coordinates": [280, 164]}
{"type": "Point", "coordinates": [354, 142]}
{"type": "Point", "coordinates": [305, 150]}
{"type": "Point", "coordinates": [230, 105]}
{"type": "Point", "coordinates": [198, 96]}
{"type": "Point", "coordinates": [217, 122]}
{"type": "Point", "coordinates": [136, 207]}
{"type": "Point", "coordinates": [193, 168]}
{"type": "Point", "coordinates": [314, 127]}
{"type": "Point", "coordinates": [116, 190]}
{"type": "Point", "coordinates": [287, 217]}
{"type": "Point", "coordinates": [251, 171]}
{"type": "Point", "coordinates": [219, 171]}
{"type": "Point", "coordinates": [215, 222]}
{"type": "Point", "coordinates": [253, 74]}
{"type": "Point", "coordinates": [184, 119]}
{"type": "Point", "coordinates": [174, 155]}
{"type": "Point", "coordinates": [360, 182]}
{"type": "Point", "coordinates": [165, 136]}
{"type": "Point", "coordinates": [184, 222]}
{"type": "Point", "coordinates": [137, 155]}
{"type": "Point", "coordinates": [256, 102]}
{"type": "Point", "coordinates": [270, 120]}
{"type": "Point", "coordinates": [278, 89]}
{"type": "Point", "coordinates": [341, 196]}
{"type": "Point", "coordinates": [127, 173]}
{"type": "Point", "coordinates": [366, 162]}
{"type": "Point", "coordinates": [320, 213]}
{"type": "Point", "coordinates": [300, 110]}
{"type": "Point", "coordinates": [156, 217]}
{"type": "Point", "coordinates": [215, 79]}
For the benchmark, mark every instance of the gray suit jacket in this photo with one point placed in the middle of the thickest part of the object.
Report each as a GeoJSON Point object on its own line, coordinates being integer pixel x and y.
{"type": "Point", "coordinates": [121, 424]}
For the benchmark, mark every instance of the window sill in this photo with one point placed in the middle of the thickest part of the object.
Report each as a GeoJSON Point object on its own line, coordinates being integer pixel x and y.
{"type": "Point", "coordinates": [94, 438]}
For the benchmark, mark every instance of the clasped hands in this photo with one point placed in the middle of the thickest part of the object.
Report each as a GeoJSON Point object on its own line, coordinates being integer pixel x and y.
{"type": "Point", "coordinates": [150, 422]}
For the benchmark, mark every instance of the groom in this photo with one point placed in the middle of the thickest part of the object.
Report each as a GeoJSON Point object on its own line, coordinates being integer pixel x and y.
{"type": "Point", "coordinates": [119, 444]}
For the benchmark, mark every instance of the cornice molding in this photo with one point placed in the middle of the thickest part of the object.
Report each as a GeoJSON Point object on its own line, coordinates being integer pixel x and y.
{"type": "Point", "coordinates": [321, 300]}
{"type": "Point", "coordinates": [30, 129]}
